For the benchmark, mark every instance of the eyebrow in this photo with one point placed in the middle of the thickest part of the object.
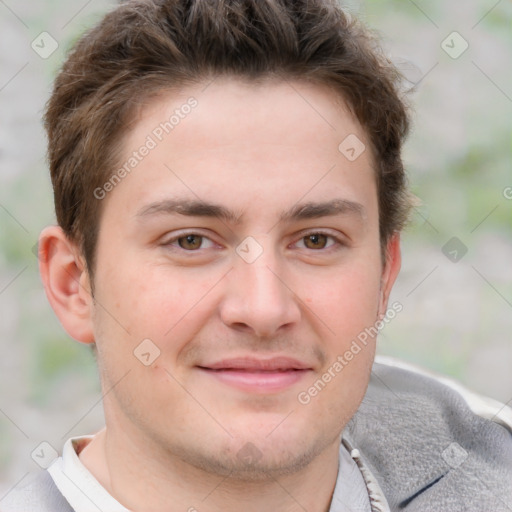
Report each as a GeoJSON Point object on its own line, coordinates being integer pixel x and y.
{"type": "Point", "coordinates": [199, 208]}
{"type": "Point", "coordinates": [190, 208]}
{"type": "Point", "coordinates": [313, 210]}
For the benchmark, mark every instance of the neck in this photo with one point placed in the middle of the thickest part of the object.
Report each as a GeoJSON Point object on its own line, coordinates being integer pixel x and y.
{"type": "Point", "coordinates": [147, 479]}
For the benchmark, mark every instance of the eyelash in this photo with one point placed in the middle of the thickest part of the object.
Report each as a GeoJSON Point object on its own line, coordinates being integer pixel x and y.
{"type": "Point", "coordinates": [338, 243]}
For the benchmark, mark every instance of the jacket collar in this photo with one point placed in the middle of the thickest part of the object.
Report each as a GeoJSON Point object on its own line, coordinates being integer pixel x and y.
{"type": "Point", "coordinates": [378, 501]}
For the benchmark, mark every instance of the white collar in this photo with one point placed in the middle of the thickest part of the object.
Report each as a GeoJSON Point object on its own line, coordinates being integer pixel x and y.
{"type": "Point", "coordinates": [77, 484]}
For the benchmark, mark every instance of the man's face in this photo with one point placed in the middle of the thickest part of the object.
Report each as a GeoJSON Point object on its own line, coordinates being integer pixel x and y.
{"type": "Point", "coordinates": [246, 311]}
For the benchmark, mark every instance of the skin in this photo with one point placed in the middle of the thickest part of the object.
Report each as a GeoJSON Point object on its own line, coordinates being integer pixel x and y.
{"type": "Point", "coordinates": [173, 431]}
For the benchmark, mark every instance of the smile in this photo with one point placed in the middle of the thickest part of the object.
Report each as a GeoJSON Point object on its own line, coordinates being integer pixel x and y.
{"type": "Point", "coordinates": [258, 375]}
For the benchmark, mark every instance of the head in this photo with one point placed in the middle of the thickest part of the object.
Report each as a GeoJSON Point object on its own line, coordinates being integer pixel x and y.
{"type": "Point", "coordinates": [229, 192]}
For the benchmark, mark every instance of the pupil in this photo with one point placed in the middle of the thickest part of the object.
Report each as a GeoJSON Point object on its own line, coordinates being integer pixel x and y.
{"type": "Point", "coordinates": [316, 240]}
{"type": "Point", "coordinates": [190, 242]}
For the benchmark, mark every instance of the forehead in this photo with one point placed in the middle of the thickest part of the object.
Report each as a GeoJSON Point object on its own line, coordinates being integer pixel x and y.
{"type": "Point", "coordinates": [273, 141]}
{"type": "Point", "coordinates": [258, 111]}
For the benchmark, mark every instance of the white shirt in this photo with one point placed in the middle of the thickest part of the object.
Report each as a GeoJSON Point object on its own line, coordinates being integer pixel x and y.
{"type": "Point", "coordinates": [77, 484]}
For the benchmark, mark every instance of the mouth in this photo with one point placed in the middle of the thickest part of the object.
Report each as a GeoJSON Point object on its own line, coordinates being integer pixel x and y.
{"type": "Point", "coordinates": [258, 375]}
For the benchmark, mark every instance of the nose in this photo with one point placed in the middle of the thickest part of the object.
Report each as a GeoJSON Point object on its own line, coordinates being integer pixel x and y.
{"type": "Point", "coordinates": [259, 297]}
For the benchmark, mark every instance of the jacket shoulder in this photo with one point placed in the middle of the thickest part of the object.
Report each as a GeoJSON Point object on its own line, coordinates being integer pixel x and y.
{"type": "Point", "coordinates": [482, 406]}
{"type": "Point", "coordinates": [38, 494]}
{"type": "Point", "coordinates": [431, 446]}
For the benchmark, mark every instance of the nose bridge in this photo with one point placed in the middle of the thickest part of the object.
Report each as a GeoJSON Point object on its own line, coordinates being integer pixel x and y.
{"type": "Point", "coordinates": [256, 268]}
{"type": "Point", "coordinates": [260, 277]}
{"type": "Point", "coordinates": [257, 295]}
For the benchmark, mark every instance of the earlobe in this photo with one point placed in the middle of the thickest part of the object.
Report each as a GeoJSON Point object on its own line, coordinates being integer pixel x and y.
{"type": "Point", "coordinates": [66, 283]}
{"type": "Point", "coordinates": [390, 271]}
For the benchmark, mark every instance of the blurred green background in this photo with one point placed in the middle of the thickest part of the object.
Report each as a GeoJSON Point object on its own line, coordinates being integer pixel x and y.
{"type": "Point", "coordinates": [457, 315]}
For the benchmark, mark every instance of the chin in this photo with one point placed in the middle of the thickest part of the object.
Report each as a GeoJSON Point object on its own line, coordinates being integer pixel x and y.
{"type": "Point", "coordinates": [252, 464]}
{"type": "Point", "coordinates": [257, 456]}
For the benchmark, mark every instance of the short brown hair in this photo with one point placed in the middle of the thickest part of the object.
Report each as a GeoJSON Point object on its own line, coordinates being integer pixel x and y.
{"type": "Point", "coordinates": [146, 46]}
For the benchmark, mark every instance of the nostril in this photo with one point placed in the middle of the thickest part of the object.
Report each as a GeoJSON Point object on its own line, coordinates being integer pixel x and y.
{"type": "Point", "coordinates": [240, 326]}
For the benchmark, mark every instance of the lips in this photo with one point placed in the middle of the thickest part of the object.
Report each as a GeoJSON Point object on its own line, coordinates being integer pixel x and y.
{"type": "Point", "coordinates": [255, 375]}
{"type": "Point", "coordinates": [251, 364]}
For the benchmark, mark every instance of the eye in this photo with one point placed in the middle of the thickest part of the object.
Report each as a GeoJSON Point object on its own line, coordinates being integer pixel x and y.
{"type": "Point", "coordinates": [191, 242]}
{"type": "Point", "coordinates": [318, 241]}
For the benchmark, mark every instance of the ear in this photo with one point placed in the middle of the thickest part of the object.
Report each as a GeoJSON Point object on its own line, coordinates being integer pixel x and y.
{"type": "Point", "coordinates": [66, 283]}
{"type": "Point", "coordinates": [390, 271]}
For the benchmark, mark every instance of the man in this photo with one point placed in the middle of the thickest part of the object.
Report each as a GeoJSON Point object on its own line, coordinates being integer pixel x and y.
{"type": "Point", "coordinates": [230, 195]}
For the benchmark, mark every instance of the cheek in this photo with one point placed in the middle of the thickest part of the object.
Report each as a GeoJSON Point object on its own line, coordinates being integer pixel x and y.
{"type": "Point", "coordinates": [347, 313]}
{"type": "Point", "coordinates": [347, 301]}
{"type": "Point", "coordinates": [151, 303]}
